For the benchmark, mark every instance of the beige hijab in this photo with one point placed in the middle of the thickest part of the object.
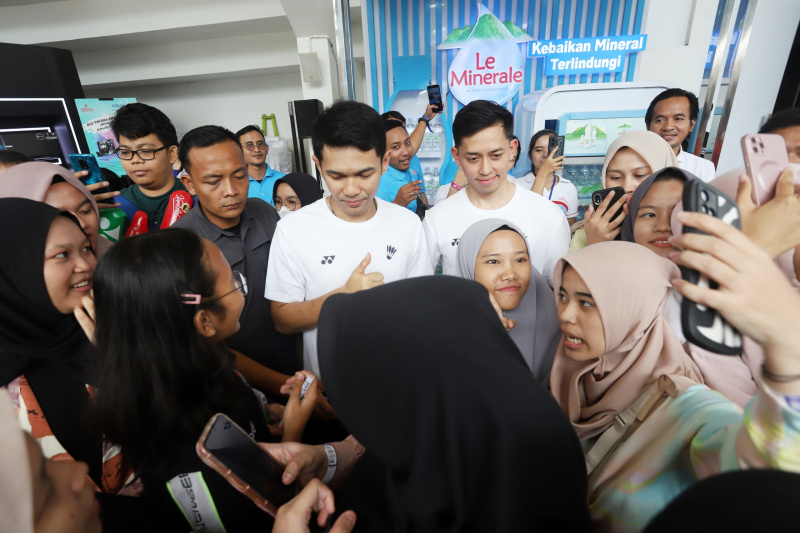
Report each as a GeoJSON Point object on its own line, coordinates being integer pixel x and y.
{"type": "Point", "coordinates": [16, 493]}
{"type": "Point", "coordinates": [650, 146]}
{"type": "Point", "coordinates": [31, 181]}
{"type": "Point", "coordinates": [640, 345]}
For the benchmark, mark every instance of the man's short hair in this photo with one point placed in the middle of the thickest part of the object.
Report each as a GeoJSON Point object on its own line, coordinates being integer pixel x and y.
{"type": "Point", "coordinates": [247, 129]}
{"type": "Point", "coordinates": [203, 137]}
{"type": "Point", "coordinates": [348, 124]}
{"type": "Point", "coordinates": [138, 120]}
{"type": "Point", "coordinates": [694, 105]}
{"type": "Point", "coordinates": [396, 115]}
{"type": "Point", "coordinates": [788, 118]}
{"type": "Point", "coordinates": [479, 115]}
{"type": "Point", "coordinates": [390, 123]}
{"type": "Point", "coordinates": [10, 158]}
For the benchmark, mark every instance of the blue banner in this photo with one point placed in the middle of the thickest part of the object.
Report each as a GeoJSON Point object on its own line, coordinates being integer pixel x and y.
{"type": "Point", "coordinates": [586, 56]}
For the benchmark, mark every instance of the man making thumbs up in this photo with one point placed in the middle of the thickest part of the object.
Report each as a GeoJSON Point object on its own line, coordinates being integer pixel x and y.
{"type": "Point", "coordinates": [349, 241]}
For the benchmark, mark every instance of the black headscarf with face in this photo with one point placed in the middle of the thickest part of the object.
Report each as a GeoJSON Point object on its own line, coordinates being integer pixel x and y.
{"type": "Point", "coordinates": [36, 340]}
{"type": "Point", "coordinates": [459, 435]}
{"type": "Point", "coordinates": [31, 328]}
{"type": "Point", "coordinates": [305, 187]}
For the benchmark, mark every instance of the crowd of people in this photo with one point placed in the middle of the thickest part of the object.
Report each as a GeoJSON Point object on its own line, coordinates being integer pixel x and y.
{"type": "Point", "coordinates": [543, 382]}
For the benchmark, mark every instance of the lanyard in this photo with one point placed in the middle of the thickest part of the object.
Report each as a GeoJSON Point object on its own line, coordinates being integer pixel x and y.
{"type": "Point", "coordinates": [552, 187]}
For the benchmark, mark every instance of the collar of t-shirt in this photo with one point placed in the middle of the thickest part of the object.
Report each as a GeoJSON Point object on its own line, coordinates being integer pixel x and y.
{"type": "Point", "coordinates": [267, 174]}
{"type": "Point", "coordinates": [399, 175]}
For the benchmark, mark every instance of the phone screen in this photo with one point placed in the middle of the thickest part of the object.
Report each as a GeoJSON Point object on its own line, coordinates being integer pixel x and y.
{"type": "Point", "coordinates": [435, 97]}
{"type": "Point", "coordinates": [229, 445]}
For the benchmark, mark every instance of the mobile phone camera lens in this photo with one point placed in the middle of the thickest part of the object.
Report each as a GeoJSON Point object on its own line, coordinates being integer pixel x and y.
{"type": "Point", "coordinates": [711, 212]}
{"type": "Point", "coordinates": [703, 209]}
{"type": "Point", "coordinates": [704, 196]}
{"type": "Point", "coordinates": [83, 165]}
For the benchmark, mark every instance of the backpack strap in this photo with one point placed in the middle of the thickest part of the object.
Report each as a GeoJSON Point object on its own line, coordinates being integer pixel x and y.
{"type": "Point", "coordinates": [640, 408]}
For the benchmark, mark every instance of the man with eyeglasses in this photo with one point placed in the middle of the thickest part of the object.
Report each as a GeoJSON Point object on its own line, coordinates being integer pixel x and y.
{"type": "Point", "coordinates": [242, 228]}
{"type": "Point", "coordinates": [262, 177]}
{"type": "Point", "coordinates": [148, 147]}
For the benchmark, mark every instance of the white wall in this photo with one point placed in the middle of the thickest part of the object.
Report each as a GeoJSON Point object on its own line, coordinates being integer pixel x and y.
{"type": "Point", "coordinates": [229, 102]}
{"type": "Point", "coordinates": [764, 63]}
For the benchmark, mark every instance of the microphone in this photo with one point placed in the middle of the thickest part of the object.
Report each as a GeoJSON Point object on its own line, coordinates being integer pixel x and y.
{"type": "Point", "coordinates": [179, 204]}
{"type": "Point", "coordinates": [138, 224]}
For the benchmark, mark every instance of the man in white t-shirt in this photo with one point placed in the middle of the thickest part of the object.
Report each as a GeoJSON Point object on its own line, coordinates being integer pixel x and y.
{"type": "Point", "coordinates": [349, 241]}
{"type": "Point", "coordinates": [483, 138]}
{"type": "Point", "coordinates": [672, 114]}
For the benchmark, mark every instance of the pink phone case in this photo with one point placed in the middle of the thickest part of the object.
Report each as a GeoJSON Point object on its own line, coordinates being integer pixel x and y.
{"type": "Point", "coordinates": [205, 456]}
{"type": "Point", "coordinates": [765, 157]}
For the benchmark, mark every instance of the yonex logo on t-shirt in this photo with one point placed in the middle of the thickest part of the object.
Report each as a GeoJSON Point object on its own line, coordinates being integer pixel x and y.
{"type": "Point", "coordinates": [455, 242]}
{"type": "Point", "coordinates": [327, 259]}
{"type": "Point", "coordinates": [390, 251]}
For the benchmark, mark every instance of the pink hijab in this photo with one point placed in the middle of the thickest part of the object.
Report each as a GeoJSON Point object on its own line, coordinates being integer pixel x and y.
{"type": "Point", "coordinates": [32, 180]}
{"type": "Point", "coordinates": [640, 345]}
{"type": "Point", "coordinates": [650, 146]}
{"type": "Point", "coordinates": [16, 492]}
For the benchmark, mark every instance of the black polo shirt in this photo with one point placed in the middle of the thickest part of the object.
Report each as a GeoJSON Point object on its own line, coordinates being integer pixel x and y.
{"type": "Point", "coordinates": [247, 250]}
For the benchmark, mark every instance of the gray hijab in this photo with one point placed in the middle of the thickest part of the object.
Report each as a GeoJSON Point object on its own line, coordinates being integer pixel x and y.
{"type": "Point", "coordinates": [638, 194]}
{"type": "Point", "coordinates": [537, 331]}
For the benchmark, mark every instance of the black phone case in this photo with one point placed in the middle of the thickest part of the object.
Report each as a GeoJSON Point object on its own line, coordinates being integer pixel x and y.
{"type": "Point", "coordinates": [702, 325]}
{"type": "Point", "coordinates": [440, 103]}
{"type": "Point", "coordinates": [555, 141]}
{"type": "Point", "coordinates": [599, 196]}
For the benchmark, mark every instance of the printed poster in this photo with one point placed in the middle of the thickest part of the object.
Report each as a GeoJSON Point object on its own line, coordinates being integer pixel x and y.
{"type": "Point", "coordinates": [96, 115]}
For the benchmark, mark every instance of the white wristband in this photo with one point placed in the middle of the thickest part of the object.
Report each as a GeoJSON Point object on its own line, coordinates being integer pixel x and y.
{"type": "Point", "coordinates": [331, 452]}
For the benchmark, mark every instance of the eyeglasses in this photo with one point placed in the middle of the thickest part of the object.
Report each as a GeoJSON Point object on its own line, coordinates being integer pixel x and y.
{"type": "Point", "coordinates": [144, 155]}
{"type": "Point", "coordinates": [250, 146]}
{"type": "Point", "coordinates": [239, 282]}
{"type": "Point", "coordinates": [292, 203]}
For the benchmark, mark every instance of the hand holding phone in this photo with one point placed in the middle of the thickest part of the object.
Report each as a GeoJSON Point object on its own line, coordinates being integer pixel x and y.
{"type": "Point", "coordinates": [765, 158]}
{"type": "Point", "coordinates": [230, 451]}
{"type": "Point", "coordinates": [87, 163]}
{"type": "Point", "coordinates": [435, 97]}
{"type": "Point", "coordinates": [555, 142]}
{"type": "Point", "coordinates": [599, 196]}
{"type": "Point", "coordinates": [702, 325]}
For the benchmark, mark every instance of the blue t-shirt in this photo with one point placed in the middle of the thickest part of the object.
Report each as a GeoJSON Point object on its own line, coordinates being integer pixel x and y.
{"type": "Point", "coordinates": [263, 189]}
{"type": "Point", "coordinates": [394, 179]}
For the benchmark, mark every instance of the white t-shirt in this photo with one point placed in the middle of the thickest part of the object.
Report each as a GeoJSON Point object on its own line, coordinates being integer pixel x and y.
{"type": "Point", "coordinates": [314, 252]}
{"type": "Point", "coordinates": [702, 168]}
{"type": "Point", "coordinates": [565, 194]}
{"type": "Point", "coordinates": [444, 190]}
{"type": "Point", "coordinates": [543, 223]}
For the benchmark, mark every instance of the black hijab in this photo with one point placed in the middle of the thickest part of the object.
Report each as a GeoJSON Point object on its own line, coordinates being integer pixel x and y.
{"type": "Point", "coordinates": [31, 328]}
{"type": "Point", "coordinates": [305, 187]}
{"type": "Point", "coordinates": [458, 432]}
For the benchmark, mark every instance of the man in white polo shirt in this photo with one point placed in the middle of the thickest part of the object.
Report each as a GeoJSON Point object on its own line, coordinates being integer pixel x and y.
{"type": "Point", "coordinates": [484, 144]}
{"type": "Point", "coordinates": [349, 241]}
{"type": "Point", "coordinates": [672, 114]}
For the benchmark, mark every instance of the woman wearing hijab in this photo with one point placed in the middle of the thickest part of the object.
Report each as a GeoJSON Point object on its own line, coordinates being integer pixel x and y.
{"type": "Point", "coordinates": [494, 253]}
{"type": "Point", "coordinates": [459, 434]}
{"type": "Point", "coordinates": [56, 186]}
{"type": "Point", "coordinates": [648, 427]}
{"type": "Point", "coordinates": [37, 494]}
{"type": "Point", "coordinates": [294, 191]}
{"type": "Point", "coordinates": [649, 223]}
{"type": "Point", "coordinates": [630, 159]}
{"type": "Point", "coordinates": [44, 353]}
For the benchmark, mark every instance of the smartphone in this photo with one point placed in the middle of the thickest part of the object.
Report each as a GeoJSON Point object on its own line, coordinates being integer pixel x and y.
{"type": "Point", "coordinates": [702, 325]}
{"type": "Point", "coordinates": [435, 97]}
{"type": "Point", "coordinates": [88, 163]}
{"type": "Point", "coordinates": [306, 385]}
{"type": "Point", "coordinates": [230, 451]}
{"type": "Point", "coordinates": [555, 141]}
{"type": "Point", "coordinates": [599, 196]}
{"type": "Point", "coordinates": [765, 157]}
